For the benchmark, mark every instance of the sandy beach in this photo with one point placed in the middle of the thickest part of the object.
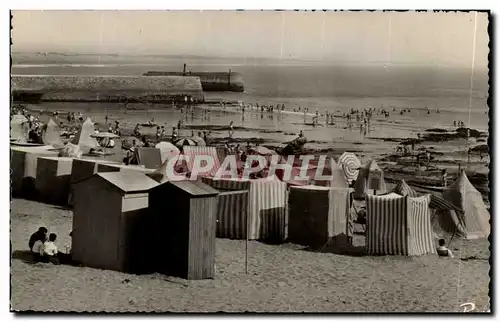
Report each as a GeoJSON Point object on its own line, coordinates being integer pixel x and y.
{"type": "Point", "coordinates": [285, 278]}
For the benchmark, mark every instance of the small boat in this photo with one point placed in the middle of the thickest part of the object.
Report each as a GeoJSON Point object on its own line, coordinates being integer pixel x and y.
{"type": "Point", "coordinates": [431, 188]}
{"type": "Point", "coordinates": [149, 124]}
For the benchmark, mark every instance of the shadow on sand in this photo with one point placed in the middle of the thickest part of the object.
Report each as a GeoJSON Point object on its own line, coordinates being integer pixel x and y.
{"type": "Point", "coordinates": [353, 251]}
{"type": "Point", "coordinates": [27, 257]}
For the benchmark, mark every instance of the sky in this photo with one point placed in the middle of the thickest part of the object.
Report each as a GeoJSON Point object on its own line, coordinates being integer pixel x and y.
{"type": "Point", "coordinates": [426, 38]}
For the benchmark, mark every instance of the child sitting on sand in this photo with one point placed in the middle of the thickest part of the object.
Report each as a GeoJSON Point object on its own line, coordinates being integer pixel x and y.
{"type": "Point", "coordinates": [442, 250]}
{"type": "Point", "coordinates": [49, 248]}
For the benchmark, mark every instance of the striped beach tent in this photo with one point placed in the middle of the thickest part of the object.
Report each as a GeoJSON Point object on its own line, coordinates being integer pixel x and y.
{"type": "Point", "coordinates": [267, 200]}
{"type": "Point", "coordinates": [420, 236]}
{"type": "Point", "coordinates": [232, 212]}
{"type": "Point", "coordinates": [192, 151]}
{"type": "Point", "coordinates": [398, 225]}
{"type": "Point", "coordinates": [232, 208]}
{"type": "Point", "coordinates": [267, 209]}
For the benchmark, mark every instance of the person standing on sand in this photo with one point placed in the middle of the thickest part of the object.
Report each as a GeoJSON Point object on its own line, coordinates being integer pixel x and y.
{"type": "Point", "coordinates": [444, 177]}
{"type": "Point", "coordinates": [137, 130]}
{"type": "Point", "coordinates": [158, 134]}
{"type": "Point", "coordinates": [231, 129]}
{"type": "Point", "coordinates": [162, 134]}
{"type": "Point", "coordinates": [174, 133]}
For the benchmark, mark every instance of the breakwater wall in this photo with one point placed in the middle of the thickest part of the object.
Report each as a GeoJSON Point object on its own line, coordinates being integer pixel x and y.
{"type": "Point", "coordinates": [158, 89]}
{"type": "Point", "coordinates": [211, 82]}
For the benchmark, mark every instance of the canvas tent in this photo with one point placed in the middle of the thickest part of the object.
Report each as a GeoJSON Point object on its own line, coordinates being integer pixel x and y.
{"type": "Point", "coordinates": [84, 138]}
{"type": "Point", "coordinates": [474, 216]}
{"type": "Point", "coordinates": [370, 179]}
{"type": "Point", "coordinates": [50, 135]}
{"type": "Point", "coordinates": [19, 128]}
{"type": "Point", "coordinates": [398, 225]}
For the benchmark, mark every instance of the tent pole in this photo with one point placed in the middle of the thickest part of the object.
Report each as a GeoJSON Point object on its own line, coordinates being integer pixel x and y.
{"type": "Point", "coordinates": [246, 247]}
{"type": "Point", "coordinates": [452, 237]}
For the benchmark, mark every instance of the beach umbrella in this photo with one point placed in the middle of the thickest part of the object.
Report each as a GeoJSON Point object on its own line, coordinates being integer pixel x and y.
{"type": "Point", "coordinates": [184, 141]}
{"type": "Point", "coordinates": [105, 137]}
{"type": "Point", "coordinates": [350, 163]}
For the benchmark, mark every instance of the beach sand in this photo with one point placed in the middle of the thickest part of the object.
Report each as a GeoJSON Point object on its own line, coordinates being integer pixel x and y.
{"type": "Point", "coordinates": [283, 278]}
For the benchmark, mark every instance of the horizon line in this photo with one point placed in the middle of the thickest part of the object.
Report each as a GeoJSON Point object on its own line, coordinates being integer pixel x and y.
{"type": "Point", "coordinates": [284, 61]}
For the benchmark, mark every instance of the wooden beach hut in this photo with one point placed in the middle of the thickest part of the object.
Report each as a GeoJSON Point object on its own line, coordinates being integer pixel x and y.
{"type": "Point", "coordinates": [110, 221]}
{"type": "Point", "coordinates": [53, 179]}
{"type": "Point", "coordinates": [398, 225]}
{"type": "Point", "coordinates": [184, 216]}
{"type": "Point", "coordinates": [23, 165]}
{"type": "Point", "coordinates": [319, 215]}
{"type": "Point", "coordinates": [82, 169]}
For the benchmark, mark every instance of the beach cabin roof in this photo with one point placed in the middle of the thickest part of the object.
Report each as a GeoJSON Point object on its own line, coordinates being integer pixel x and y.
{"type": "Point", "coordinates": [195, 188]}
{"type": "Point", "coordinates": [129, 181]}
